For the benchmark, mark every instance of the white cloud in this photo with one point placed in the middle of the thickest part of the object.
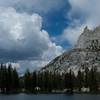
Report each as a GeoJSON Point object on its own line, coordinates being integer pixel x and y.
{"type": "Point", "coordinates": [23, 40]}
{"type": "Point", "coordinates": [31, 65]}
{"type": "Point", "coordinates": [22, 33]}
{"type": "Point", "coordinates": [71, 34]}
{"type": "Point", "coordinates": [52, 52]}
{"type": "Point", "coordinates": [89, 15]}
{"type": "Point", "coordinates": [43, 6]}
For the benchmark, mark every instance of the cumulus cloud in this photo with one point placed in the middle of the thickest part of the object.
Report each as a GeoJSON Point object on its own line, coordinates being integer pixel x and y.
{"type": "Point", "coordinates": [22, 36]}
{"type": "Point", "coordinates": [71, 34]}
{"type": "Point", "coordinates": [31, 65]}
{"type": "Point", "coordinates": [43, 6]}
{"type": "Point", "coordinates": [82, 13]}
{"type": "Point", "coordinates": [53, 51]}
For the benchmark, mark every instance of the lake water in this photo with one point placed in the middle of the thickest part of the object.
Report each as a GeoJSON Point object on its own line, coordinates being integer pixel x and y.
{"type": "Point", "coordinates": [50, 97]}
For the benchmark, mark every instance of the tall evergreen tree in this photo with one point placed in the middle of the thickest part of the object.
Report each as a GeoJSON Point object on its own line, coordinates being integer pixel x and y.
{"type": "Point", "coordinates": [80, 79]}
{"type": "Point", "coordinates": [34, 80]}
{"type": "Point", "coordinates": [86, 77]}
{"type": "Point", "coordinates": [93, 84]}
{"type": "Point", "coordinates": [9, 77]}
{"type": "Point", "coordinates": [69, 81]}
{"type": "Point", "coordinates": [28, 81]}
{"type": "Point", "coordinates": [15, 79]}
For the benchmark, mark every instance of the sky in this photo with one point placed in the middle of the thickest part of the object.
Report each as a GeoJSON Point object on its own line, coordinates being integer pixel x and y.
{"type": "Point", "coordinates": [33, 32]}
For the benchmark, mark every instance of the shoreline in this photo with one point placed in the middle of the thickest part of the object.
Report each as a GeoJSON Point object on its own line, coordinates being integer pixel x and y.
{"type": "Point", "coordinates": [37, 93]}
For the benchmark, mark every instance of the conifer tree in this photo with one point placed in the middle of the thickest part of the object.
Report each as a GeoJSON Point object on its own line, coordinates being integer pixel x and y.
{"type": "Point", "coordinates": [15, 80]}
{"type": "Point", "coordinates": [80, 79]}
{"type": "Point", "coordinates": [27, 81]}
{"type": "Point", "coordinates": [86, 77]}
{"type": "Point", "coordinates": [69, 81]}
{"type": "Point", "coordinates": [93, 84]}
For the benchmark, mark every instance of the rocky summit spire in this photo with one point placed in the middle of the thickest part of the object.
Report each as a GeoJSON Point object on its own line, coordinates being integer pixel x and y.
{"type": "Point", "coordinates": [97, 29]}
{"type": "Point", "coordinates": [86, 30]}
{"type": "Point", "coordinates": [88, 38]}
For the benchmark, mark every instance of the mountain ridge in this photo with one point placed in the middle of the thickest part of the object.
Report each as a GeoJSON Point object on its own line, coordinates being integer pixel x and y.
{"type": "Point", "coordinates": [86, 53]}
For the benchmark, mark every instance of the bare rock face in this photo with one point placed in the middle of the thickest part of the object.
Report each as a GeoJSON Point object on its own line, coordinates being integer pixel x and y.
{"type": "Point", "coordinates": [85, 54]}
{"type": "Point", "coordinates": [89, 39]}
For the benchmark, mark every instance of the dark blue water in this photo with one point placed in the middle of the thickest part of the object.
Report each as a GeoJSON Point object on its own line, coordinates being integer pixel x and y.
{"type": "Point", "coordinates": [50, 97]}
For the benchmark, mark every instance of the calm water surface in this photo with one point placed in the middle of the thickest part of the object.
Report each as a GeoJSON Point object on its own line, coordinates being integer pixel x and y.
{"type": "Point", "coordinates": [50, 97]}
